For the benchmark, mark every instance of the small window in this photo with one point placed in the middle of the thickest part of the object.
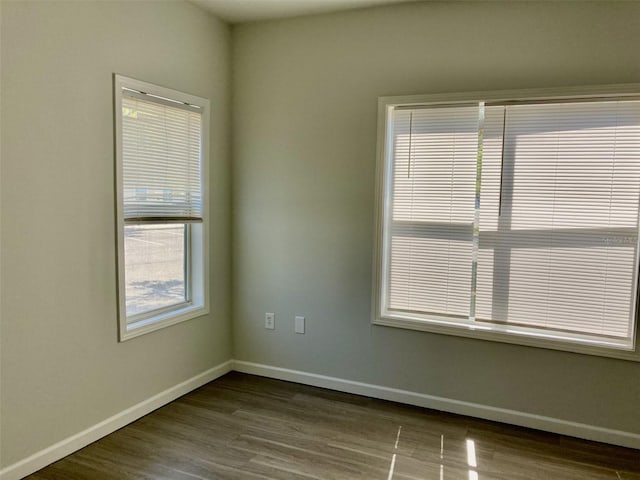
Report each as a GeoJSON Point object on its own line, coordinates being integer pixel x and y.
{"type": "Point", "coordinates": [512, 218]}
{"type": "Point", "coordinates": [161, 165]}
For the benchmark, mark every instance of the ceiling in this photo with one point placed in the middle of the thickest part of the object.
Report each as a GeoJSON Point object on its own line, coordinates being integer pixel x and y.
{"type": "Point", "coordinates": [237, 11]}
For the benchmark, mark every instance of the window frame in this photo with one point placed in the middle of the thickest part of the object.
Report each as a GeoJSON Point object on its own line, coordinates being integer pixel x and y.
{"type": "Point", "coordinates": [197, 234]}
{"type": "Point", "coordinates": [442, 324]}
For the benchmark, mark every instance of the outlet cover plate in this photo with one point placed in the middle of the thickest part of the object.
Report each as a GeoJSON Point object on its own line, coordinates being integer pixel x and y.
{"type": "Point", "coordinates": [270, 321]}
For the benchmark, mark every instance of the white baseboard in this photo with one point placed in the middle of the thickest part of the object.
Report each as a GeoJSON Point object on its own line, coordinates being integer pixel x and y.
{"type": "Point", "coordinates": [513, 417]}
{"type": "Point", "coordinates": [69, 445]}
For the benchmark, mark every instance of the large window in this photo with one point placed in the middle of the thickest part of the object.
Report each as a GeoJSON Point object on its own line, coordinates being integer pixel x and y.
{"type": "Point", "coordinates": [161, 168]}
{"type": "Point", "coordinates": [512, 216]}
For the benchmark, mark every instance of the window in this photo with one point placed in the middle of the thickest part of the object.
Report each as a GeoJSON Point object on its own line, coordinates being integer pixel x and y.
{"type": "Point", "coordinates": [512, 216]}
{"type": "Point", "coordinates": [161, 171]}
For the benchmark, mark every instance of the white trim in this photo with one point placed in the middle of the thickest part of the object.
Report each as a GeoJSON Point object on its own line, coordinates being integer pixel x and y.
{"type": "Point", "coordinates": [513, 417]}
{"type": "Point", "coordinates": [515, 335]}
{"type": "Point", "coordinates": [532, 94]}
{"type": "Point", "coordinates": [69, 445]}
{"type": "Point", "coordinates": [198, 250]}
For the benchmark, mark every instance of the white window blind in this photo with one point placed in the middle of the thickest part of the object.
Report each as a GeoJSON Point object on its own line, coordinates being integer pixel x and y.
{"type": "Point", "coordinates": [161, 148]}
{"type": "Point", "coordinates": [555, 187]}
{"type": "Point", "coordinates": [434, 178]}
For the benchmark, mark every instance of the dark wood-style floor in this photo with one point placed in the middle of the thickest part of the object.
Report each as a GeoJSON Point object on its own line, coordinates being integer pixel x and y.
{"type": "Point", "coordinates": [247, 427]}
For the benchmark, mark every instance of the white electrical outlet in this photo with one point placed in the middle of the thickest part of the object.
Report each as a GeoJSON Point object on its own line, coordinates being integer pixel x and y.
{"type": "Point", "coordinates": [299, 325]}
{"type": "Point", "coordinates": [270, 321]}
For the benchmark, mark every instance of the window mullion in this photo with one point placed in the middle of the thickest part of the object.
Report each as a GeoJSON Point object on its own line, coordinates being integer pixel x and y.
{"type": "Point", "coordinates": [476, 216]}
{"type": "Point", "coordinates": [187, 263]}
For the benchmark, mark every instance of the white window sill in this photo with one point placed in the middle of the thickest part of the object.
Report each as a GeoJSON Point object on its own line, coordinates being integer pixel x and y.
{"type": "Point", "coordinates": [163, 320]}
{"type": "Point", "coordinates": [512, 334]}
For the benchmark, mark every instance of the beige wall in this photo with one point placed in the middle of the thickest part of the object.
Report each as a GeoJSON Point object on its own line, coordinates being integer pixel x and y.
{"type": "Point", "coordinates": [304, 141]}
{"type": "Point", "coordinates": [304, 120]}
{"type": "Point", "coordinates": [62, 367]}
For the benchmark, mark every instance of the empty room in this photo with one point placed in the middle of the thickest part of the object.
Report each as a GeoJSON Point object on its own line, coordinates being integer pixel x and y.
{"type": "Point", "coordinates": [327, 239]}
